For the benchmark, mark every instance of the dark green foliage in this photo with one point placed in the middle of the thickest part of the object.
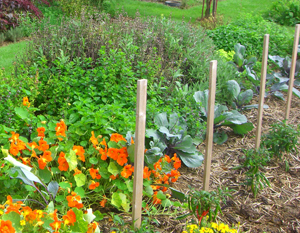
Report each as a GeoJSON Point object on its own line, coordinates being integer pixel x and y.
{"type": "Point", "coordinates": [249, 31]}
{"type": "Point", "coordinates": [284, 12]}
{"type": "Point", "coordinates": [281, 138]}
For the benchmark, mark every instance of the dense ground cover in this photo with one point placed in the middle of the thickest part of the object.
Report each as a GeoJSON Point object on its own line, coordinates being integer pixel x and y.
{"type": "Point", "coordinates": [73, 92]}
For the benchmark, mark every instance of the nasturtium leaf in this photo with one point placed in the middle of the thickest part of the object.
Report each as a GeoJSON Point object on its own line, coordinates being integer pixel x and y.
{"type": "Point", "coordinates": [60, 198]}
{"type": "Point", "coordinates": [113, 144]}
{"type": "Point", "coordinates": [53, 188]}
{"type": "Point", "coordinates": [104, 173]}
{"type": "Point", "coordinates": [50, 207]}
{"type": "Point", "coordinates": [80, 191]}
{"type": "Point", "coordinates": [99, 215]}
{"type": "Point", "coordinates": [64, 185]}
{"type": "Point", "coordinates": [120, 184]}
{"type": "Point", "coordinates": [45, 175]}
{"type": "Point", "coordinates": [80, 179]}
{"type": "Point", "coordinates": [80, 225]}
{"type": "Point", "coordinates": [93, 160]}
{"type": "Point", "coordinates": [233, 88]}
{"type": "Point", "coordinates": [46, 224]}
{"type": "Point", "coordinates": [160, 195]}
{"type": "Point", "coordinates": [83, 143]}
{"type": "Point", "coordinates": [22, 112]}
{"type": "Point", "coordinates": [129, 184]}
{"type": "Point", "coordinates": [116, 200]}
{"type": "Point", "coordinates": [113, 168]}
{"type": "Point", "coordinates": [166, 203]}
{"type": "Point", "coordinates": [15, 220]}
{"type": "Point", "coordinates": [89, 216]}
{"type": "Point", "coordinates": [71, 159]}
{"type": "Point", "coordinates": [148, 191]}
{"type": "Point", "coordinates": [161, 120]}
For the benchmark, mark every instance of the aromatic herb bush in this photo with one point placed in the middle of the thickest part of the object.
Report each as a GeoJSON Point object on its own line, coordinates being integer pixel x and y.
{"type": "Point", "coordinates": [249, 31]}
{"type": "Point", "coordinates": [284, 12]}
{"type": "Point", "coordinates": [99, 61]}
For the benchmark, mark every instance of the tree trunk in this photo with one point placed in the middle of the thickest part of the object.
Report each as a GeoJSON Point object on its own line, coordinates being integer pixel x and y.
{"type": "Point", "coordinates": [207, 11]}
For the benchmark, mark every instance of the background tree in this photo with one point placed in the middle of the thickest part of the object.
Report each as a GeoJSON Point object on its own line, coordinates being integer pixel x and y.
{"type": "Point", "coordinates": [209, 4]}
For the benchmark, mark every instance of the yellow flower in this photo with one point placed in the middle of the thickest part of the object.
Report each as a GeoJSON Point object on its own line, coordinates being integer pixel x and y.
{"type": "Point", "coordinates": [214, 225]}
{"type": "Point", "coordinates": [22, 223]}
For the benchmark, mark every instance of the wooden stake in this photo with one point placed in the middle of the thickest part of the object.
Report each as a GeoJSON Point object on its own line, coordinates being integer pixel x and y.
{"type": "Point", "coordinates": [292, 72]}
{"type": "Point", "coordinates": [262, 89]}
{"type": "Point", "coordinates": [139, 152]}
{"type": "Point", "coordinates": [210, 123]}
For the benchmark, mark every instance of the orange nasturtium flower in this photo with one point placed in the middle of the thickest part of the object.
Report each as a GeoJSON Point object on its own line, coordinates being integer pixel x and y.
{"type": "Point", "coordinates": [103, 202]}
{"type": "Point", "coordinates": [168, 159]}
{"type": "Point", "coordinates": [63, 164]}
{"type": "Point", "coordinates": [21, 145]}
{"type": "Point", "coordinates": [175, 174]}
{"type": "Point", "coordinates": [61, 129]}
{"type": "Point", "coordinates": [117, 137]}
{"type": "Point", "coordinates": [127, 171]}
{"type": "Point", "coordinates": [44, 159]}
{"type": "Point", "coordinates": [77, 171]}
{"type": "Point", "coordinates": [155, 199]}
{"type": "Point", "coordinates": [177, 161]}
{"type": "Point", "coordinates": [147, 173]}
{"type": "Point", "coordinates": [102, 151]}
{"type": "Point", "coordinates": [55, 225]}
{"type": "Point", "coordinates": [80, 152]}
{"type": "Point", "coordinates": [41, 131]}
{"type": "Point", "coordinates": [33, 145]}
{"type": "Point", "coordinates": [122, 159]}
{"type": "Point", "coordinates": [74, 200]}
{"type": "Point", "coordinates": [95, 173]}
{"type": "Point", "coordinates": [157, 165]}
{"type": "Point", "coordinates": [93, 139]}
{"type": "Point", "coordinates": [14, 137]}
{"type": "Point", "coordinates": [93, 185]}
{"type": "Point", "coordinates": [92, 227]}
{"type": "Point", "coordinates": [69, 218]}
{"type": "Point", "coordinates": [14, 150]}
{"type": "Point", "coordinates": [6, 227]}
{"type": "Point", "coordinates": [26, 102]}
{"type": "Point", "coordinates": [113, 177]}
{"type": "Point", "coordinates": [43, 145]}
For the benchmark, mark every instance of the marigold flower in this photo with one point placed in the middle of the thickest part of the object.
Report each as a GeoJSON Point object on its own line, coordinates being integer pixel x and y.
{"type": "Point", "coordinates": [117, 137]}
{"type": "Point", "coordinates": [41, 132]}
{"type": "Point", "coordinates": [26, 102]}
{"type": "Point", "coordinates": [127, 171]}
{"type": "Point", "coordinates": [80, 152]}
{"type": "Point", "coordinates": [69, 218]}
{"type": "Point", "coordinates": [6, 227]}
{"type": "Point", "coordinates": [63, 163]}
{"type": "Point", "coordinates": [93, 185]}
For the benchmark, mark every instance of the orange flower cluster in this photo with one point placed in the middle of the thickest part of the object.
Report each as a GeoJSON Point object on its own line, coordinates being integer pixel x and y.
{"type": "Point", "coordinates": [36, 218]}
{"type": "Point", "coordinates": [26, 102]}
{"type": "Point", "coordinates": [63, 164]}
{"type": "Point", "coordinates": [74, 200]}
{"type": "Point", "coordinates": [80, 152]}
{"type": "Point", "coordinates": [60, 129]}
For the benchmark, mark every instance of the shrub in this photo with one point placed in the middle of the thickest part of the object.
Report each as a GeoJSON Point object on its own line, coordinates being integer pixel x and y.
{"type": "Point", "coordinates": [96, 60]}
{"type": "Point", "coordinates": [249, 31]}
{"type": "Point", "coordinates": [284, 12]}
{"type": "Point", "coordinates": [10, 10]}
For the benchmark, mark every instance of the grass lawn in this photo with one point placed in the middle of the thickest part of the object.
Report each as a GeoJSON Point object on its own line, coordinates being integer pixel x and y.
{"type": "Point", "coordinates": [8, 54]}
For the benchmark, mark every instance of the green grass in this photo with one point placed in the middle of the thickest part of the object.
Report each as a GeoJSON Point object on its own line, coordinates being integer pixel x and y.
{"type": "Point", "coordinates": [8, 54]}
